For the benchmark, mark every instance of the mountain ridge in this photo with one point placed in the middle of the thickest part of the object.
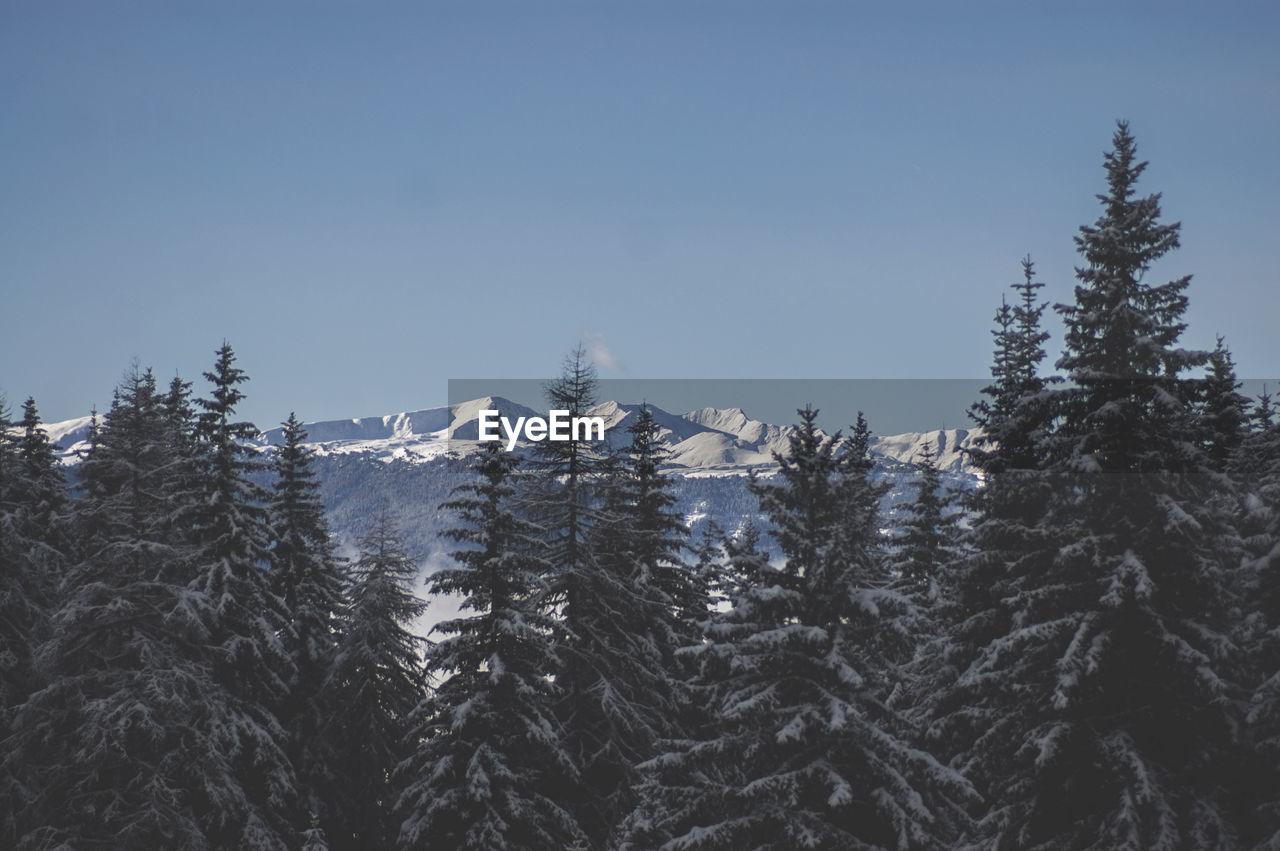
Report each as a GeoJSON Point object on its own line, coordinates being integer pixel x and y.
{"type": "Point", "coordinates": [705, 441]}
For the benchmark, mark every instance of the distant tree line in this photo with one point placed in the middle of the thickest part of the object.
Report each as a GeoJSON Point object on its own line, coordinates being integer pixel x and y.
{"type": "Point", "coordinates": [1082, 653]}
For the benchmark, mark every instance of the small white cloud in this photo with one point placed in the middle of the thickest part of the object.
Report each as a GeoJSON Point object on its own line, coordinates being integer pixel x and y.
{"type": "Point", "coordinates": [600, 353]}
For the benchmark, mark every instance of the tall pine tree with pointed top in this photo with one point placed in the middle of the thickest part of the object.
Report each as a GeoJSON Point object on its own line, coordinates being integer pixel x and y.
{"type": "Point", "coordinates": [1255, 466]}
{"type": "Point", "coordinates": [659, 537]}
{"type": "Point", "coordinates": [928, 537]}
{"type": "Point", "coordinates": [308, 578]}
{"type": "Point", "coordinates": [133, 741]}
{"type": "Point", "coordinates": [966, 707]}
{"type": "Point", "coordinates": [1222, 409]}
{"type": "Point", "coordinates": [615, 698]}
{"type": "Point", "coordinates": [804, 752]}
{"type": "Point", "coordinates": [231, 538]}
{"type": "Point", "coordinates": [1118, 672]}
{"type": "Point", "coordinates": [33, 551]}
{"type": "Point", "coordinates": [491, 755]}
{"type": "Point", "coordinates": [378, 681]}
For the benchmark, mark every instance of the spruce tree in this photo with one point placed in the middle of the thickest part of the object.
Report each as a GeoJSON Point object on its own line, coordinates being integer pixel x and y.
{"type": "Point", "coordinates": [627, 632]}
{"type": "Point", "coordinates": [491, 754]}
{"type": "Point", "coordinates": [615, 698]}
{"type": "Point", "coordinates": [45, 484]}
{"type": "Point", "coordinates": [968, 707]}
{"type": "Point", "coordinates": [308, 577]}
{"type": "Point", "coordinates": [28, 565]}
{"type": "Point", "coordinates": [186, 474]}
{"type": "Point", "coordinates": [1223, 410]}
{"type": "Point", "coordinates": [1013, 412]}
{"type": "Point", "coordinates": [227, 516]}
{"type": "Point", "coordinates": [130, 744]}
{"type": "Point", "coordinates": [1256, 468]}
{"type": "Point", "coordinates": [378, 681]}
{"type": "Point", "coordinates": [1119, 724]}
{"type": "Point", "coordinates": [658, 538]}
{"type": "Point", "coordinates": [928, 535]}
{"type": "Point", "coordinates": [805, 751]}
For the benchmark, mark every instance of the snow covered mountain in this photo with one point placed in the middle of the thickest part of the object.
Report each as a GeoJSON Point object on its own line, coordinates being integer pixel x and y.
{"type": "Point", "coordinates": [408, 462]}
{"type": "Point", "coordinates": [708, 441]}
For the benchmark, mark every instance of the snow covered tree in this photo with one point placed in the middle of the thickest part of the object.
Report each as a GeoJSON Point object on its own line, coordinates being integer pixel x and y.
{"type": "Point", "coordinates": [1256, 468]}
{"type": "Point", "coordinates": [658, 538]}
{"type": "Point", "coordinates": [130, 743]}
{"type": "Point", "coordinates": [378, 680]}
{"type": "Point", "coordinates": [615, 697]}
{"type": "Point", "coordinates": [33, 545]}
{"type": "Point", "coordinates": [622, 649]}
{"type": "Point", "coordinates": [1013, 412]}
{"type": "Point", "coordinates": [308, 577]}
{"type": "Point", "coordinates": [491, 754]}
{"type": "Point", "coordinates": [44, 484]}
{"type": "Point", "coordinates": [805, 752]}
{"type": "Point", "coordinates": [184, 478]}
{"type": "Point", "coordinates": [1119, 725]}
{"type": "Point", "coordinates": [1007, 539]}
{"type": "Point", "coordinates": [1222, 408]}
{"type": "Point", "coordinates": [928, 534]}
{"type": "Point", "coordinates": [746, 564]}
{"type": "Point", "coordinates": [30, 494]}
{"type": "Point", "coordinates": [227, 516]}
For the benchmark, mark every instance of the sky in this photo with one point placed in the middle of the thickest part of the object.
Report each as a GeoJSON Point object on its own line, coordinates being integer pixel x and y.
{"type": "Point", "coordinates": [369, 199]}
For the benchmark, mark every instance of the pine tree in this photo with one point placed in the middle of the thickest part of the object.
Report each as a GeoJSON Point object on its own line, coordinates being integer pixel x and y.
{"type": "Point", "coordinates": [928, 535]}
{"type": "Point", "coordinates": [378, 681]}
{"type": "Point", "coordinates": [626, 634]}
{"type": "Point", "coordinates": [185, 479]}
{"type": "Point", "coordinates": [308, 577]}
{"type": "Point", "coordinates": [1223, 410]}
{"type": "Point", "coordinates": [1013, 413]}
{"type": "Point", "coordinates": [227, 516]}
{"type": "Point", "coordinates": [1117, 684]}
{"type": "Point", "coordinates": [658, 538]}
{"type": "Point", "coordinates": [491, 753]}
{"type": "Point", "coordinates": [27, 567]}
{"type": "Point", "coordinates": [1256, 469]}
{"type": "Point", "coordinates": [129, 743]}
{"type": "Point", "coordinates": [805, 751]}
{"type": "Point", "coordinates": [968, 707]}
{"type": "Point", "coordinates": [46, 487]}
{"type": "Point", "coordinates": [615, 699]}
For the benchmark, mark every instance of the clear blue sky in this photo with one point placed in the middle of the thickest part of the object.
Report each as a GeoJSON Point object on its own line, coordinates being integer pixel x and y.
{"type": "Point", "coordinates": [367, 199]}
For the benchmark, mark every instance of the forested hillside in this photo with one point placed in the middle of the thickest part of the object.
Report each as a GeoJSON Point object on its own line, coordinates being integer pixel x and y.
{"type": "Point", "coordinates": [1084, 652]}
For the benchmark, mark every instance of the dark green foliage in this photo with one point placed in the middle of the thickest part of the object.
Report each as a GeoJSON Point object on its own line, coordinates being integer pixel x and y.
{"type": "Point", "coordinates": [610, 541]}
{"type": "Point", "coordinates": [1222, 409]}
{"type": "Point", "coordinates": [928, 539]}
{"type": "Point", "coordinates": [308, 578]}
{"type": "Point", "coordinates": [804, 750]}
{"type": "Point", "coordinates": [968, 710]}
{"type": "Point", "coordinates": [491, 756]}
{"type": "Point", "coordinates": [377, 682]}
{"type": "Point", "coordinates": [657, 538]}
{"type": "Point", "coordinates": [228, 522]}
{"type": "Point", "coordinates": [1014, 412]}
{"type": "Point", "coordinates": [1115, 684]}
{"type": "Point", "coordinates": [32, 555]}
{"type": "Point", "coordinates": [1256, 466]}
{"type": "Point", "coordinates": [131, 743]}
